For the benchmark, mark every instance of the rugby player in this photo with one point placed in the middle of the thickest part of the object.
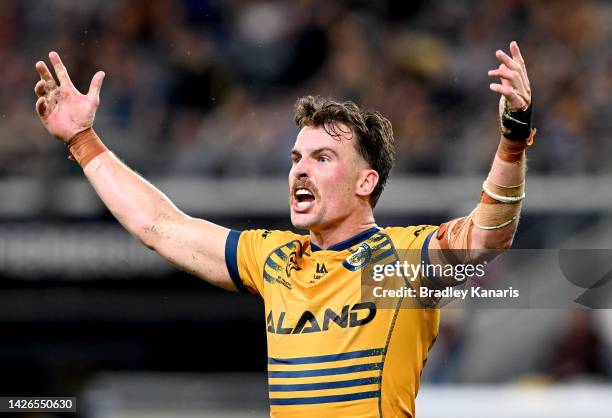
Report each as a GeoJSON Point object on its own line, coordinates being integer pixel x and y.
{"type": "Point", "coordinates": [330, 353]}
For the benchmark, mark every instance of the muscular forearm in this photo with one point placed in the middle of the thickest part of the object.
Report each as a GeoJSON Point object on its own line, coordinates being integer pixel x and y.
{"type": "Point", "coordinates": [135, 202]}
{"type": "Point", "coordinates": [195, 245]}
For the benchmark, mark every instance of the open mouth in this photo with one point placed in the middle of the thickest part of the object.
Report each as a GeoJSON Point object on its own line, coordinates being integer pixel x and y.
{"type": "Point", "coordinates": [304, 195]}
{"type": "Point", "coordinates": [303, 199]}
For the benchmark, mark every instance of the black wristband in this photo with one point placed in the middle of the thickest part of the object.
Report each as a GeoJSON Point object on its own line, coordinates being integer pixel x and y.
{"type": "Point", "coordinates": [517, 125]}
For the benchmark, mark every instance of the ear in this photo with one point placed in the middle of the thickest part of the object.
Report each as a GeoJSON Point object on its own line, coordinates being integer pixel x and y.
{"type": "Point", "coordinates": [367, 182]}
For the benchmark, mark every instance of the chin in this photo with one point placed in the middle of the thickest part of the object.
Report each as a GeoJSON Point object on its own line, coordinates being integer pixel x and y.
{"type": "Point", "coordinates": [303, 220]}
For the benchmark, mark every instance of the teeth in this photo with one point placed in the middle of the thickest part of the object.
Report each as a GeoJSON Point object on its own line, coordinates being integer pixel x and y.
{"type": "Point", "coordinates": [303, 192]}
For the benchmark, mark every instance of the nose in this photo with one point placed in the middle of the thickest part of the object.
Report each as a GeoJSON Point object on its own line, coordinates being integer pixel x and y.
{"type": "Point", "coordinates": [301, 169]}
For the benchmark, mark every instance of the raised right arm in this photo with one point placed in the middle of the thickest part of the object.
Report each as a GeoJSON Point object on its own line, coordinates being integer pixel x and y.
{"type": "Point", "coordinates": [195, 245]}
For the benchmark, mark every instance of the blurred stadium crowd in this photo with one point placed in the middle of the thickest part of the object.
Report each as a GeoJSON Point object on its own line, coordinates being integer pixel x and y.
{"type": "Point", "coordinates": [207, 87]}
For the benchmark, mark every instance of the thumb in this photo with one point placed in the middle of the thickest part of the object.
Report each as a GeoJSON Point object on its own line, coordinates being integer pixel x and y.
{"type": "Point", "coordinates": [96, 85]}
{"type": "Point", "coordinates": [502, 105]}
{"type": "Point", "coordinates": [41, 106]}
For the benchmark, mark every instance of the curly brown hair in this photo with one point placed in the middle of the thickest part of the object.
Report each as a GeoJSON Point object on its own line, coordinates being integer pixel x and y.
{"type": "Point", "coordinates": [374, 132]}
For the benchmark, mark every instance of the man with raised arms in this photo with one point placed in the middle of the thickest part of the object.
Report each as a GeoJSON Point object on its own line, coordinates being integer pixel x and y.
{"type": "Point", "coordinates": [330, 353]}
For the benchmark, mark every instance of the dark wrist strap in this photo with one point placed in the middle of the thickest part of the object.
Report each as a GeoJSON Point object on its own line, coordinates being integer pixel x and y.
{"type": "Point", "coordinates": [517, 125]}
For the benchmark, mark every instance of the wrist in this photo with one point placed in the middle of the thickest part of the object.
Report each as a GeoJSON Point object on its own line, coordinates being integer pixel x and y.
{"type": "Point", "coordinates": [517, 125]}
{"type": "Point", "coordinates": [85, 146]}
{"type": "Point", "coordinates": [513, 151]}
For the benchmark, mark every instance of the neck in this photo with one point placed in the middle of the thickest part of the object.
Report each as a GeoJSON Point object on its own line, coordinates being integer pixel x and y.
{"type": "Point", "coordinates": [326, 237]}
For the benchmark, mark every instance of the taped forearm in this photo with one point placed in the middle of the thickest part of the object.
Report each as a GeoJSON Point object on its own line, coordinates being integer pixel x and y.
{"type": "Point", "coordinates": [499, 205]}
{"type": "Point", "coordinates": [494, 219]}
{"type": "Point", "coordinates": [496, 214]}
{"type": "Point", "coordinates": [504, 189]}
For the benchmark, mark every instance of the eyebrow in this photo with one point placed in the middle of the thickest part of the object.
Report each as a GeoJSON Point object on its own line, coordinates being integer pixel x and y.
{"type": "Point", "coordinates": [317, 151]}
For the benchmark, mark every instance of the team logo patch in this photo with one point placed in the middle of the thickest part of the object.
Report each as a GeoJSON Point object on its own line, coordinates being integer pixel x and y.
{"type": "Point", "coordinates": [292, 264]}
{"type": "Point", "coordinates": [281, 262]}
{"type": "Point", "coordinates": [358, 258]}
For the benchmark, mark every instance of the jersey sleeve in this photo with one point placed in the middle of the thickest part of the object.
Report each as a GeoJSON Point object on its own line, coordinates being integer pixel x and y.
{"type": "Point", "coordinates": [412, 243]}
{"type": "Point", "coordinates": [422, 241]}
{"type": "Point", "coordinates": [414, 238]}
{"type": "Point", "coordinates": [245, 255]}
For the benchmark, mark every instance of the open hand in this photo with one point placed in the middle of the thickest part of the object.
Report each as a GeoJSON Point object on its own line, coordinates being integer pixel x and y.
{"type": "Point", "coordinates": [62, 109]}
{"type": "Point", "coordinates": [514, 87]}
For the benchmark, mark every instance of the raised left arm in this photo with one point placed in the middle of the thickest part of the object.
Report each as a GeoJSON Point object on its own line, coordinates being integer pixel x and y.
{"type": "Point", "coordinates": [490, 227]}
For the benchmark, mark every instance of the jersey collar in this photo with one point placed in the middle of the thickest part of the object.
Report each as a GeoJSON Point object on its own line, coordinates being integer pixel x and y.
{"type": "Point", "coordinates": [347, 243]}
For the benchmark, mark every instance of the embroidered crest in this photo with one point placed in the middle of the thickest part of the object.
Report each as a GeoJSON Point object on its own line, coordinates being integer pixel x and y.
{"type": "Point", "coordinates": [358, 258]}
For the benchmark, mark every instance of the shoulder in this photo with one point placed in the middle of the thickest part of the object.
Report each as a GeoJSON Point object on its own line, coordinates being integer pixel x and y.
{"type": "Point", "coordinates": [269, 239]}
{"type": "Point", "coordinates": [409, 236]}
{"type": "Point", "coordinates": [271, 235]}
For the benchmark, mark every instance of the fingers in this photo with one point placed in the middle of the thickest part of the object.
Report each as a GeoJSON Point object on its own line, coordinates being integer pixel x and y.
{"type": "Point", "coordinates": [41, 106]}
{"type": "Point", "coordinates": [506, 91]}
{"type": "Point", "coordinates": [513, 99]}
{"type": "Point", "coordinates": [40, 88]}
{"type": "Point", "coordinates": [95, 86]}
{"type": "Point", "coordinates": [514, 86]}
{"type": "Point", "coordinates": [45, 74]}
{"type": "Point", "coordinates": [504, 73]}
{"type": "Point", "coordinates": [514, 82]}
{"type": "Point", "coordinates": [506, 60]}
{"type": "Point", "coordinates": [518, 57]}
{"type": "Point", "coordinates": [516, 54]}
{"type": "Point", "coordinates": [60, 69]}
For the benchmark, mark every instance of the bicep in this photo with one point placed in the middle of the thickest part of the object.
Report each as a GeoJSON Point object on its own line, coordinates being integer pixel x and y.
{"type": "Point", "coordinates": [194, 245]}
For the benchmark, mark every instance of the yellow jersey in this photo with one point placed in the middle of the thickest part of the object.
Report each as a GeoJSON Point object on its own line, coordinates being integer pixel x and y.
{"type": "Point", "coordinates": [330, 354]}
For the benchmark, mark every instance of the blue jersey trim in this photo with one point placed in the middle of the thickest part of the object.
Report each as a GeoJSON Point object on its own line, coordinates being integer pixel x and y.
{"type": "Point", "coordinates": [328, 357]}
{"type": "Point", "coordinates": [325, 385]}
{"type": "Point", "coordinates": [349, 242]}
{"type": "Point", "coordinates": [425, 261]}
{"type": "Point", "coordinates": [231, 259]}
{"type": "Point", "coordinates": [324, 399]}
{"type": "Point", "coordinates": [326, 372]}
{"type": "Point", "coordinates": [425, 248]}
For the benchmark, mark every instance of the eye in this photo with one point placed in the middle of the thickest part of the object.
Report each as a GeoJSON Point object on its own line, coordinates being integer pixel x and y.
{"type": "Point", "coordinates": [295, 159]}
{"type": "Point", "coordinates": [324, 159]}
